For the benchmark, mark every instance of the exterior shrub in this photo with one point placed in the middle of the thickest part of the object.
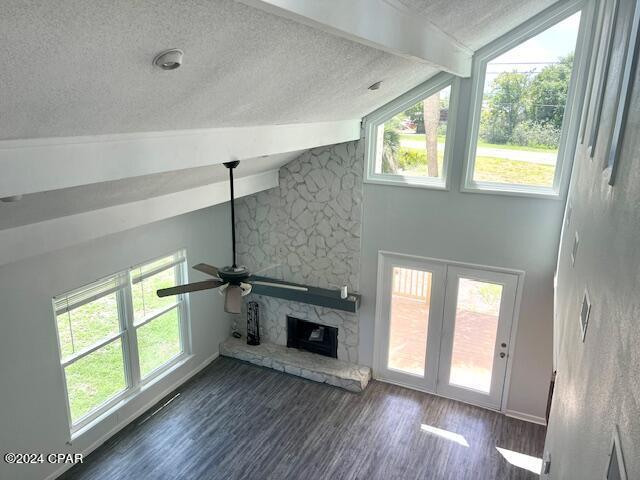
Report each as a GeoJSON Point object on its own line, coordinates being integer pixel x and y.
{"type": "Point", "coordinates": [534, 134]}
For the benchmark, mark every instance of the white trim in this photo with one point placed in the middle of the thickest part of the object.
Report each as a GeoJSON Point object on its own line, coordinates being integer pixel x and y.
{"type": "Point", "coordinates": [571, 121]}
{"type": "Point", "coordinates": [624, 92]}
{"type": "Point", "coordinates": [155, 271]}
{"type": "Point", "coordinates": [494, 397]}
{"type": "Point", "coordinates": [37, 238]}
{"type": "Point", "coordinates": [616, 445]}
{"type": "Point", "coordinates": [143, 408]}
{"type": "Point", "coordinates": [506, 389]}
{"type": "Point", "coordinates": [438, 271]}
{"type": "Point", "coordinates": [377, 24]}
{"type": "Point", "coordinates": [157, 314]}
{"type": "Point", "coordinates": [89, 350]}
{"type": "Point", "coordinates": [372, 121]}
{"type": "Point", "coordinates": [379, 317]}
{"type": "Point", "coordinates": [55, 163]}
{"type": "Point", "coordinates": [129, 344]}
{"type": "Point", "coordinates": [490, 268]}
{"type": "Point", "coordinates": [525, 417]}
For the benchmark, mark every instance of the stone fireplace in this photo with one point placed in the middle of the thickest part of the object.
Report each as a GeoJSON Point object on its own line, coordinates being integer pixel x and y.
{"type": "Point", "coordinates": [307, 230]}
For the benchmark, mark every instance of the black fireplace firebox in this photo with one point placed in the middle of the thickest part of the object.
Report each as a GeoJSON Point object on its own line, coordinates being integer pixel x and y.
{"type": "Point", "coordinates": [312, 337]}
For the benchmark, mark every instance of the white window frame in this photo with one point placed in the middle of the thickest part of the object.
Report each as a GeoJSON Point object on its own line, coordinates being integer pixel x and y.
{"type": "Point", "coordinates": [571, 121]}
{"type": "Point", "coordinates": [134, 384]}
{"type": "Point", "coordinates": [400, 104]}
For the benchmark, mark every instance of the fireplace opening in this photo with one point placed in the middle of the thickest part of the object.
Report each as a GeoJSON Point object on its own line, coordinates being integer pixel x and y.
{"type": "Point", "coordinates": [312, 337]}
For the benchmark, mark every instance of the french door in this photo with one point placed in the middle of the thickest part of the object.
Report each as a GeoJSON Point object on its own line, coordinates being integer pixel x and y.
{"type": "Point", "coordinates": [444, 328]}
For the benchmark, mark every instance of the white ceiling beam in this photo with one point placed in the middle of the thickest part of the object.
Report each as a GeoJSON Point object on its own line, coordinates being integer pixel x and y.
{"type": "Point", "coordinates": [377, 24]}
{"type": "Point", "coordinates": [38, 165]}
{"type": "Point", "coordinates": [37, 238]}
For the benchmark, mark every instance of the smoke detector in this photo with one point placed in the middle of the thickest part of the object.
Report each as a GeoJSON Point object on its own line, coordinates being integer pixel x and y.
{"type": "Point", "coordinates": [169, 59]}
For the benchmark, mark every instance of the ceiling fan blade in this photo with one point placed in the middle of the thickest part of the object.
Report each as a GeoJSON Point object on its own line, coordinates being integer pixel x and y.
{"type": "Point", "coordinates": [233, 299]}
{"type": "Point", "coordinates": [189, 287]}
{"type": "Point", "coordinates": [206, 268]}
{"type": "Point", "coordinates": [280, 285]}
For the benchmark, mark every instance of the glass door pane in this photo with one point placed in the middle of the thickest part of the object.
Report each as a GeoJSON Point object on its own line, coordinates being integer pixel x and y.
{"type": "Point", "coordinates": [409, 320]}
{"type": "Point", "coordinates": [476, 330]}
{"type": "Point", "coordinates": [474, 339]}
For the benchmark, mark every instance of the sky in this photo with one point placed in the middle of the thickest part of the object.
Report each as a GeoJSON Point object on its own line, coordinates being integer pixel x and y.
{"type": "Point", "coordinates": [547, 46]}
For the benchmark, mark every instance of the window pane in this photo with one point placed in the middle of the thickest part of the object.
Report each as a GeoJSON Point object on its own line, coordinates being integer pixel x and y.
{"type": "Point", "coordinates": [523, 106]}
{"type": "Point", "coordinates": [145, 300]}
{"type": "Point", "coordinates": [85, 326]}
{"type": "Point", "coordinates": [412, 142]}
{"type": "Point", "coordinates": [159, 341]}
{"type": "Point", "coordinates": [474, 338]}
{"type": "Point", "coordinates": [410, 299]}
{"type": "Point", "coordinates": [94, 379]}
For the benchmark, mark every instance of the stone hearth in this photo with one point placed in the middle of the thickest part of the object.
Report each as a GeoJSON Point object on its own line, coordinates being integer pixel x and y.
{"type": "Point", "coordinates": [308, 365]}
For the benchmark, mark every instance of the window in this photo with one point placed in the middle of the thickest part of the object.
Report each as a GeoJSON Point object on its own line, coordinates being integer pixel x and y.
{"type": "Point", "coordinates": [116, 334]}
{"type": "Point", "coordinates": [523, 90]}
{"type": "Point", "coordinates": [407, 140]}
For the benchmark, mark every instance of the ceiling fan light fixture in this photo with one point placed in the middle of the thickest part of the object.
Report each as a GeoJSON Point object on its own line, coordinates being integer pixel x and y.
{"type": "Point", "coordinates": [169, 59]}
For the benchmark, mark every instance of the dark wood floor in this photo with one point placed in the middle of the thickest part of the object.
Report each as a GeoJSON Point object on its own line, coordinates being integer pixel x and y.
{"type": "Point", "coordinates": [239, 421]}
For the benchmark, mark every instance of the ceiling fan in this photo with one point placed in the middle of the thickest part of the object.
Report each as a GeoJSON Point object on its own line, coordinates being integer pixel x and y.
{"type": "Point", "coordinates": [235, 281]}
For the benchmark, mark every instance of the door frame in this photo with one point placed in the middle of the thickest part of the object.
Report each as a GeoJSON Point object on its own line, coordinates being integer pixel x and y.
{"type": "Point", "coordinates": [509, 282]}
{"type": "Point", "coordinates": [379, 325]}
{"type": "Point", "coordinates": [438, 272]}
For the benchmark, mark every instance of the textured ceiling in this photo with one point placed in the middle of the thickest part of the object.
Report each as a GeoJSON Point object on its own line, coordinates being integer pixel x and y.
{"type": "Point", "coordinates": [474, 22]}
{"type": "Point", "coordinates": [77, 67]}
{"type": "Point", "coordinates": [37, 207]}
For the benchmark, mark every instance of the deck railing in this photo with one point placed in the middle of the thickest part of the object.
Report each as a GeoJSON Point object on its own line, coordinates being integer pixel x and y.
{"type": "Point", "coordinates": [411, 283]}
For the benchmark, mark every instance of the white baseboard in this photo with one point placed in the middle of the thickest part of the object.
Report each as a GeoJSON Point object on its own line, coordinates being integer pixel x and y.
{"type": "Point", "coordinates": [136, 414]}
{"type": "Point", "coordinates": [526, 417]}
{"type": "Point", "coordinates": [509, 413]}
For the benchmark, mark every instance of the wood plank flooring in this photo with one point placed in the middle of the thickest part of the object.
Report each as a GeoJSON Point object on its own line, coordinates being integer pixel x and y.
{"type": "Point", "coordinates": [239, 421]}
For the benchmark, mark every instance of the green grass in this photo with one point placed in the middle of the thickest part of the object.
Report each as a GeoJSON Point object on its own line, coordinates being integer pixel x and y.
{"type": "Point", "coordinates": [99, 376]}
{"type": "Point", "coordinates": [492, 169]}
{"type": "Point", "coordinates": [158, 342]}
{"type": "Point", "coordinates": [500, 170]}
{"type": "Point", "coordinates": [94, 379]}
{"type": "Point", "coordinates": [419, 137]}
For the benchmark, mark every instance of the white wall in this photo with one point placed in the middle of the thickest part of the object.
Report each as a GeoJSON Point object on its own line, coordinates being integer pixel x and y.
{"type": "Point", "coordinates": [598, 383]}
{"type": "Point", "coordinates": [32, 401]}
{"type": "Point", "coordinates": [495, 230]}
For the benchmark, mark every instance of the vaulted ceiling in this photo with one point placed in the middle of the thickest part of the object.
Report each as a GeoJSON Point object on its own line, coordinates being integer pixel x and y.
{"type": "Point", "coordinates": [473, 22]}
{"type": "Point", "coordinates": [256, 84]}
{"type": "Point", "coordinates": [77, 67]}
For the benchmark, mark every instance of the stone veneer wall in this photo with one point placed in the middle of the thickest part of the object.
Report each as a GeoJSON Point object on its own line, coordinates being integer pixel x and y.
{"type": "Point", "coordinates": [307, 230]}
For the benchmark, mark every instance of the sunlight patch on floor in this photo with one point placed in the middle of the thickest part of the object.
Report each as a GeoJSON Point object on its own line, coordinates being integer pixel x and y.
{"type": "Point", "coordinates": [533, 464]}
{"type": "Point", "coordinates": [454, 437]}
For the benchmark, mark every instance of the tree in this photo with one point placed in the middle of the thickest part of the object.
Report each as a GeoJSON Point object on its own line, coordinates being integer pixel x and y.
{"type": "Point", "coordinates": [416, 115]}
{"type": "Point", "coordinates": [547, 93]}
{"type": "Point", "coordinates": [505, 107]}
{"type": "Point", "coordinates": [431, 108]}
{"type": "Point", "coordinates": [390, 147]}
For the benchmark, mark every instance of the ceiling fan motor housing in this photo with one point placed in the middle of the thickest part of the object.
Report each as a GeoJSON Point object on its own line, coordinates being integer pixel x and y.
{"type": "Point", "coordinates": [234, 275]}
